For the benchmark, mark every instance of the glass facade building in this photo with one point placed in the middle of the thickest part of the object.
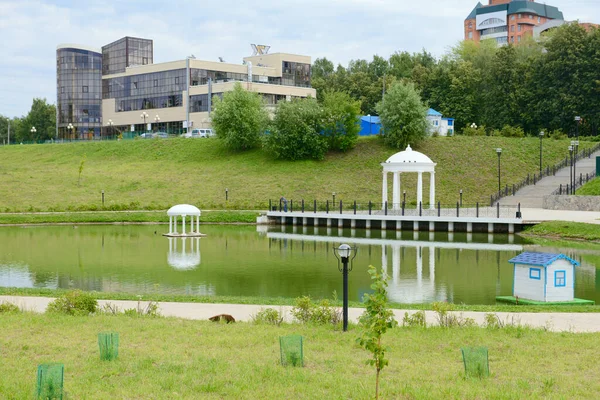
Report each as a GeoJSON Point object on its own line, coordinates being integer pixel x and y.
{"type": "Point", "coordinates": [126, 52]}
{"type": "Point", "coordinates": [79, 92]}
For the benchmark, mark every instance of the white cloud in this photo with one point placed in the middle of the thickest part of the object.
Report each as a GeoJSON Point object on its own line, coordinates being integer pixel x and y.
{"type": "Point", "coordinates": [340, 30]}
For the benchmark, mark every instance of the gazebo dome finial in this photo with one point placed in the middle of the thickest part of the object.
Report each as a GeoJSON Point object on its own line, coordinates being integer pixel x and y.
{"type": "Point", "coordinates": [408, 148]}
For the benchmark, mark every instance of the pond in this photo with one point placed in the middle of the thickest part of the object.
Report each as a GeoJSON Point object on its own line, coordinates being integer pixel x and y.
{"type": "Point", "coordinates": [276, 262]}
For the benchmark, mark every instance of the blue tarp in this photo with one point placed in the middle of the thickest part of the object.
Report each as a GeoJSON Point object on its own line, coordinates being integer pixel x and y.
{"type": "Point", "coordinates": [369, 125]}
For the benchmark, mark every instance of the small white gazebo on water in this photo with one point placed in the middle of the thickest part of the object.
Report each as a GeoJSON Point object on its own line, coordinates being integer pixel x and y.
{"type": "Point", "coordinates": [407, 161]}
{"type": "Point", "coordinates": [183, 211]}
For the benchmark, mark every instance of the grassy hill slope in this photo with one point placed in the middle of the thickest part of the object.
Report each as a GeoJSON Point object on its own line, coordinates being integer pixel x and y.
{"type": "Point", "coordinates": [155, 174]}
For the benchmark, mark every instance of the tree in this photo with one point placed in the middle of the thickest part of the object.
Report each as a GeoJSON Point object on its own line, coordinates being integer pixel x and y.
{"type": "Point", "coordinates": [297, 131]}
{"type": "Point", "coordinates": [239, 118]}
{"type": "Point", "coordinates": [340, 120]}
{"type": "Point", "coordinates": [322, 68]}
{"type": "Point", "coordinates": [403, 116]}
{"type": "Point", "coordinates": [42, 116]}
{"type": "Point", "coordinates": [375, 321]}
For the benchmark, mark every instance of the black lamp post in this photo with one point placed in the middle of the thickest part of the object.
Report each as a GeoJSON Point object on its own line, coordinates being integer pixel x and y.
{"type": "Point", "coordinates": [343, 254]}
{"type": "Point", "coordinates": [571, 169]}
{"type": "Point", "coordinates": [541, 137]}
{"type": "Point", "coordinates": [461, 197]}
{"type": "Point", "coordinates": [333, 194]}
{"type": "Point", "coordinates": [226, 194]}
{"type": "Point", "coordinates": [499, 152]}
{"type": "Point", "coordinates": [404, 197]}
{"type": "Point", "coordinates": [575, 144]}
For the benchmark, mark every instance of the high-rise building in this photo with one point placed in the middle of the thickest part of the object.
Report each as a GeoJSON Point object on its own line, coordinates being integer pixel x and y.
{"type": "Point", "coordinates": [508, 21]}
{"type": "Point", "coordinates": [119, 89]}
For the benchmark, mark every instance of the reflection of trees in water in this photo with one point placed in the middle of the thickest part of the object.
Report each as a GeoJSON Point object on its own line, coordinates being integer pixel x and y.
{"type": "Point", "coordinates": [43, 279]}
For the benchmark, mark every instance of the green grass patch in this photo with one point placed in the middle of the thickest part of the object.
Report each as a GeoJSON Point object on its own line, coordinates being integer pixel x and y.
{"type": "Point", "coordinates": [592, 188]}
{"type": "Point", "coordinates": [564, 230]}
{"type": "Point", "coordinates": [284, 301]}
{"type": "Point", "coordinates": [111, 217]}
{"type": "Point", "coordinates": [156, 174]}
{"type": "Point", "coordinates": [170, 358]}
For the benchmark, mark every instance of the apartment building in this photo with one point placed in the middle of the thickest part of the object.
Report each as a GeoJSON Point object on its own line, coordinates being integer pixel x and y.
{"type": "Point", "coordinates": [508, 21]}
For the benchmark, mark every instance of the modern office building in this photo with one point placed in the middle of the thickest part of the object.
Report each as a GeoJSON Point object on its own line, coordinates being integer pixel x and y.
{"type": "Point", "coordinates": [508, 21]}
{"type": "Point", "coordinates": [137, 95]}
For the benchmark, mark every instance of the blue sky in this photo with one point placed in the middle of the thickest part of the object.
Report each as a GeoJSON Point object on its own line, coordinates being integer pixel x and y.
{"type": "Point", "coordinates": [340, 30]}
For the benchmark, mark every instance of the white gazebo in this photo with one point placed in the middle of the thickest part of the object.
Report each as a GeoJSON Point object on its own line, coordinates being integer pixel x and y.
{"type": "Point", "coordinates": [183, 211]}
{"type": "Point", "coordinates": [185, 258]}
{"type": "Point", "coordinates": [408, 161]}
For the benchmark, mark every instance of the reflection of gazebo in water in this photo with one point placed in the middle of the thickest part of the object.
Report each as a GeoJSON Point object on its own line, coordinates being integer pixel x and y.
{"type": "Point", "coordinates": [183, 210]}
{"type": "Point", "coordinates": [181, 256]}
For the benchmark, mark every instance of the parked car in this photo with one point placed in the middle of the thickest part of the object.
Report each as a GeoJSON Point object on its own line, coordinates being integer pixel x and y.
{"type": "Point", "coordinates": [162, 135]}
{"type": "Point", "coordinates": [200, 133]}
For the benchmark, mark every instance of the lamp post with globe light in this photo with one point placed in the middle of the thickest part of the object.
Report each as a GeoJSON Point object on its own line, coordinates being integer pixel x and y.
{"type": "Point", "coordinates": [343, 253]}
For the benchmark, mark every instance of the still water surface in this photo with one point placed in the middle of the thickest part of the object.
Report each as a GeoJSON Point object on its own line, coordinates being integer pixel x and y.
{"type": "Point", "coordinates": [251, 261]}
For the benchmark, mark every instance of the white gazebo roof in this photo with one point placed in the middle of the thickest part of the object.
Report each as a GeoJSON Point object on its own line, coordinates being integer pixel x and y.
{"type": "Point", "coordinates": [183, 210]}
{"type": "Point", "coordinates": [409, 161]}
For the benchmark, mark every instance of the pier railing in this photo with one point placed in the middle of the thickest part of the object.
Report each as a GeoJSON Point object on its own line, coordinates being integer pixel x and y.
{"type": "Point", "coordinates": [532, 179]}
{"type": "Point", "coordinates": [457, 210]}
{"type": "Point", "coordinates": [579, 181]}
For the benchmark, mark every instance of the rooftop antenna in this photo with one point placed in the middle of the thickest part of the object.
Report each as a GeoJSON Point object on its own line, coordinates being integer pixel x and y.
{"type": "Point", "coordinates": [221, 59]}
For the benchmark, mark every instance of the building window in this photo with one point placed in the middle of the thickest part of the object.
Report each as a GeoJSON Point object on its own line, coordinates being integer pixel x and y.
{"type": "Point", "coordinates": [512, 39]}
{"type": "Point", "coordinates": [156, 83]}
{"type": "Point", "coordinates": [520, 28]}
{"type": "Point", "coordinates": [135, 85]}
{"type": "Point", "coordinates": [177, 80]}
{"type": "Point", "coordinates": [450, 122]}
{"type": "Point", "coordinates": [519, 16]}
{"type": "Point", "coordinates": [62, 60]}
{"type": "Point", "coordinates": [144, 60]}
{"type": "Point", "coordinates": [535, 273]}
{"type": "Point", "coordinates": [470, 35]}
{"type": "Point", "coordinates": [530, 16]}
{"type": "Point", "coordinates": [84, 89]}
{"type": "Point", "coordinates": [539, 19]}
{"type": "Point", "coordinates": [62, 89]}
{"type": "Point", "coordinates": [518, 38]}
{"type": "Point", "coordinates": [512, 28]}
{"type": "Point", "coordinates": [560, 278]}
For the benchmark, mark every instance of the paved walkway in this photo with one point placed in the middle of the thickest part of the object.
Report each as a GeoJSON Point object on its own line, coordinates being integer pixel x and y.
{"type": "Point", "coordinates": [558, 322]}
{"type": "Point", "coordinates": [536, 215]}
{"type": "Point", "coordinates": [532, 196]}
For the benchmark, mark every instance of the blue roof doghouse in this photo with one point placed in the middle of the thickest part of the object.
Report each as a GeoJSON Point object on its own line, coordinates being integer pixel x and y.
{"type": "Point", "coordinates": [543, 278]}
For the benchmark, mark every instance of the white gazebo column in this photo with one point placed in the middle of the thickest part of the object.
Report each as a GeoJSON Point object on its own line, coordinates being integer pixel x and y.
{"type": "Point", "coordinates": [420, 189]}
{"type": "Point", "coordinates": [384, 194]}
{"type": "Point", "coordinates": [175, 224]}
{"type": "Point", "coordinates": [170, 224]}
{"type": "Point", "coordinates": [183, 224]}
{"type": "Point", "coordinates": [197, 224]}
{"type": "Point", "coordinates": [432, 190]}
{"type": "Point", "coordinates": [396, 191]}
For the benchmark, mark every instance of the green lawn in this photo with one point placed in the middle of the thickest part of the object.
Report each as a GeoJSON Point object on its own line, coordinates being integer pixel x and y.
{"type": "Point", "coordinates": [109, 217]}
{"type": "Point", "coordinates": [155, 174]}
{"type": "Point", "coordinates": [565, 230]}
{"type": "Point", "coordinates": [592, 188]}
{"type": "Point", "coordinates": [171, 358]}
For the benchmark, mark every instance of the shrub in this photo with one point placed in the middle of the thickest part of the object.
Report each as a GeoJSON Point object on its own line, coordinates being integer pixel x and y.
{"type": "Point", "coordinates": [473, 130]}
{"type": "Point", "coordinates": [557, 134]}
{"type": "Point", "coordinates": [340, 120]}
{"type": "Point", "coordinates": [415, 319]}
{"type": "Point", "coordinates": [297, 131]}
{"type": "Point", "coordinates": [7, 307]}
{"type": "Point", "coordinates": [323, 312]}
{"type": "Point", "coordinates": [74, 302]}
{"type": "Point", "coordinates": [511, 131]}
{"type": "Point", "coordinates": [268, 316]}
{"type": "Point", "coordinates": [448, 320]}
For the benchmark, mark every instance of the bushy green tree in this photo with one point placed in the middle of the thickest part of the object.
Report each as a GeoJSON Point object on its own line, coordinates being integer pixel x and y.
{"type": "Point", "coordinates": [42, 116]}
{"type": "Point", "coordinates": [403, 116]}
{"type": "Point", "coordinates": [340, 120]}
{"type": "Point", "coordinates": [297, 131]}
{"type": "Point", "coordinates": [239, 119]}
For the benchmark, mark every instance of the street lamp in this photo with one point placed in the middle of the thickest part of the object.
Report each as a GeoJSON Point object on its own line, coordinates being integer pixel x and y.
{"type": "Point", "coordinates": [343, 254]}
{"type": "Point", "coordinates": [571, 169]}
{"type": "Point", "coordinates": [461, 197]}
{"type": "Point", "coordinates": [144, 115]}
{"type": "Point", "coordinates": [541, 137]}
{"type": "Point", "coordinates": [404, 196]}
{"type": "Point", "coordinates": [333, 194]}
{"type": "Point", "coordinates": [70, 129]}
{"type": "Point", "coordinates": [575, 144]}
{"type": "Point", "coordinates": [499, 152]}
{"type": "Point", "coordinates": [33, 131]}
{"type": "Point", "coordinates": [156, 119]}
{"type": "Point", "coordinates": [110, 124]}
{"type": "Point", "coordinates": [370, 124]}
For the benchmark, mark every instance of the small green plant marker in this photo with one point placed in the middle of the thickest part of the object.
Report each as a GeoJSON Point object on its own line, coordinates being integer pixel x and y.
{"type": "Point", "coordinates": [108, 342]}
{"type": "Point", "coordinates": [50, 381]}
{"type": "Point", "coordinates": [291, 349]}
{"type": "Point", "coordinates": [476, 362]}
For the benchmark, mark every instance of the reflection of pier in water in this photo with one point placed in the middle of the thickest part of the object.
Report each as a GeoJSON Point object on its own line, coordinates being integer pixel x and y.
{"type": "Point", "coordinates": [181, 256]}
{"type": "Point", "coordinates": [421, 288]}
